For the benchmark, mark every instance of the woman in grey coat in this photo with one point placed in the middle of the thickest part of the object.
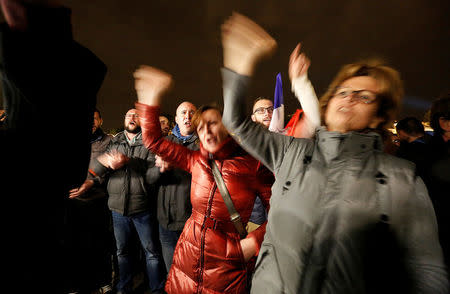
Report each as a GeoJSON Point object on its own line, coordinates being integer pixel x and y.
{"type": "Point", "coordinates": [345, 217]}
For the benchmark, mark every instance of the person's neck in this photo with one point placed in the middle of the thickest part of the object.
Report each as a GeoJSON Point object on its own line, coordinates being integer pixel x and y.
{"type": "Point", "coordinates": [185, 134]}
{"type": "Point", "coordinates": [414, 138]}
{"type": "Point", "coordinates": [446, 136]}
{"type": "Point", "coordinates": [129, 135]}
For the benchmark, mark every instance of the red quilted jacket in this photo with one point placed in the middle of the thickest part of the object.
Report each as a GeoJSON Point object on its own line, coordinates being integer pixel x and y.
{"type": "Point", "coordinates": [208, 257]}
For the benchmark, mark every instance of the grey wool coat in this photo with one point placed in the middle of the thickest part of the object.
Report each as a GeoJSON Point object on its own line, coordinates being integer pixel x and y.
{"type": "Point", "coordinates": [344, 216]}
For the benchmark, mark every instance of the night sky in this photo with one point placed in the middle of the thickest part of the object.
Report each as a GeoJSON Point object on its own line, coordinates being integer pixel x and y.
{"type": "Point", "coordinates": [183, 38]}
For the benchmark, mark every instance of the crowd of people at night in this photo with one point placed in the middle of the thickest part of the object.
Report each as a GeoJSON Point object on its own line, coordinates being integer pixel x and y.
{"type": "Point", "coordinates": [214, 200]}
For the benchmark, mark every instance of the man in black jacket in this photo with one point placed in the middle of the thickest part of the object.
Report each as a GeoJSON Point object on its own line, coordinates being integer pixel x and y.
{"type": "Point", "coordinates": [174, 202]}
{"type": "Point", "coordinates": [130, 171]}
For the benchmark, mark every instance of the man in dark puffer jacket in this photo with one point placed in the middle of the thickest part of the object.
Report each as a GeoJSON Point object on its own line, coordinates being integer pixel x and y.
{"type": "Point", "coordinates": [131, 190]}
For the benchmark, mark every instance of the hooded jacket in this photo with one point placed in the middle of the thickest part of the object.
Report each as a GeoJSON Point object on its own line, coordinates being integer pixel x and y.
{"type": "Point", "coordinates": [208, 257]}
{"type": "Point", "coordinates": [345, 217]}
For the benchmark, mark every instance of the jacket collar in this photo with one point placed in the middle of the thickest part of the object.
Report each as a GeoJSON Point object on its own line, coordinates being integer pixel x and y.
{"type": "Point", "coordinates": [352, 144]}
{"type": "Point", "coordinates": [225, 150]}
{"type": "Point", "coordinates": [122, 138]}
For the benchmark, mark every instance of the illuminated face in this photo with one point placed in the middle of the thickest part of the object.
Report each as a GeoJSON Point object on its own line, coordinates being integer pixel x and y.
{"type": "Point", "coordinates": [262, 112]}
{"type": "Point", "coordinates": [183, 118]}
{"type": "Point", "coordinates": [354, 106]}
{"type": "Point", "coordinates": [165, 126]}
{"type": "Point", "coordinates": [98, 121]}
{"type": "Point", "coordinates": [211, 131]}
{"type": "Point", "coordinates": [132, 124]}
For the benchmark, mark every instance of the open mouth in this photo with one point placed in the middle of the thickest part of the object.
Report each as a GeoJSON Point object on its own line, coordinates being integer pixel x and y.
{"type": "Point", "coordinates": [211, 141]}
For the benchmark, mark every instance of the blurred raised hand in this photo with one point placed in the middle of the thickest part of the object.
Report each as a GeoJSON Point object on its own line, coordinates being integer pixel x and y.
{"type": "Point", "coordinates": [151, 84]}
{"type": "Point", "coordinates": [298, 63]}
{"type": "Point", "coordinates": [113, 159]}
{"type": "Point", "coordinates": [245, 44]}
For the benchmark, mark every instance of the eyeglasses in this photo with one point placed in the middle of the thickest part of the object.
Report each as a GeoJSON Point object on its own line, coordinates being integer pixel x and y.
{"type": "Point", "coordinates": [261, 110]}
{"type": "Point", "coordinates": [361, 96]}
{"type": "Point", "coordinates": [132, 115]}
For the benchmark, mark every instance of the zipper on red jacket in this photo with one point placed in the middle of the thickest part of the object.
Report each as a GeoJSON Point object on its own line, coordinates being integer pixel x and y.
{"type": "Point", "coordinates": [202, 242]}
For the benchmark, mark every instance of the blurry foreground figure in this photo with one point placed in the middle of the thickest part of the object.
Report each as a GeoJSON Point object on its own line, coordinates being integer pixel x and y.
{"type": "Point", "coordinates": [49, 84]}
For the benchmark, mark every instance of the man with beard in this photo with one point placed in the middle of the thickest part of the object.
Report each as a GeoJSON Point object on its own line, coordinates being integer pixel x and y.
{"type": "Point", "coordinates": [165, 124]}
{"type": "Point", "coordinates": [174, 203]}
{"type": "Point", "coordinates": [130, 171]}
{"type": "Point", "coordinates": [262, 111]}
{"type": "Point", "coordinates": [262, 114]}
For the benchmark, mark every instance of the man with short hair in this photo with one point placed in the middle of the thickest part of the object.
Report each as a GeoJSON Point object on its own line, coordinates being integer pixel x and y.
{"type": "Point", "coordinates": [174, 203]}
{"type": "Point", "coordinates": [131, 173]}
{"type": "Point", "coordinates": [262, 111]}
{"type": "Point", "coordinates": [165, 125]}
{"type": "Point", "coordinates": [89, 238]}
{"type": "Point", "coordinates": [262, 114]}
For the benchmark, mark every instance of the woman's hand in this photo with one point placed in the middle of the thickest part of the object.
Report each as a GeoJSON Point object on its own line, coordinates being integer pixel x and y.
{"type": "Point", "coordinates": [298, 63]}
{"type": "Point", "coordinates": [248, 248]}
{"type": "Point", "coordinates": [151, 84]}
{"type": "Point", "coordinates": [245, 44]}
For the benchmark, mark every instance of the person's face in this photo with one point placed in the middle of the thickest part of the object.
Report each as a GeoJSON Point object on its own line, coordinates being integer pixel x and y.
{"type": "Point", "coordinates": [131, 123]}
{"type": "Point", "coordinates": [354, 106]}
{"type": "Point", "coordinates": [98, 121]}
{"type": "Point", "coordinates": [165, 127]}
{"type": "Point", "coordinates": [183, 118]}
{"type": "Point", "coordinates": [262, 112]}
{"type": "Point", "coordinates": [211, 131]}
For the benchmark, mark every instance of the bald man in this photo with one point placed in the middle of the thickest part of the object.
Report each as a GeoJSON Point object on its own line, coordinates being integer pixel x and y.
{"type": "Point", "coordinates": [174, 203]}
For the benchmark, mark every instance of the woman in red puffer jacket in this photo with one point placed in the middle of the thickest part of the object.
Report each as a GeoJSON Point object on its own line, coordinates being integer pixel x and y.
{"type": "Point", "coordinates": [209, 257]}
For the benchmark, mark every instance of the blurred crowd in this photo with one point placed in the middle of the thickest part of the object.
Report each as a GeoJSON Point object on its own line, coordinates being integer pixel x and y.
{"type": "Point", "coordinates": [214, 200]}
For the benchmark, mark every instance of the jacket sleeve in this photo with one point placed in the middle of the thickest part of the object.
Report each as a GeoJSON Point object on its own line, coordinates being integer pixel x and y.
{"type": "Point", "coordinates": [266, 146]}
{"type": "Point", "coordinates": [264, 184]}
{"type": "Point", "coordinates": [424, 254]}
{"type": "Point", "coordinates": [152, 138]}
{"type": "Point", "coordinates": [307, 97]}
{"type": "Point", "coordinates": [152, 174]}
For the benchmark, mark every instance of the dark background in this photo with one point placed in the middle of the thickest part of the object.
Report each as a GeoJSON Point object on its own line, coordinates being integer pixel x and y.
{"type": "Point", "coordinates": [182, 37]}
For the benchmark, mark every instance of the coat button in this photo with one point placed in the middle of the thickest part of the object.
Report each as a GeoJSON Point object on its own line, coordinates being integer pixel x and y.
{"type": "Point", "coordinates": [288, 183]}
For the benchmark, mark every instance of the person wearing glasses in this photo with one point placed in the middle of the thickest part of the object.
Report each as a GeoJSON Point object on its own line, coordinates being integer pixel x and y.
{"type": "Point", "coordinates": [345, 216]}
{"type": "Point", "coordinates": [130, 173]}
{"type": "Point", "coordinates": [262, 111]}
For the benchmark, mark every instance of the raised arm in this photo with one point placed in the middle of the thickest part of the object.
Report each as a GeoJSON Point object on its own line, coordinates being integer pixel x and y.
{"type": "Point", "coordinates": [151, 84]}
{"type": "Point", "coordinates": [245, 44]}
{"type": "Point", "coordinates": [304, 91]}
